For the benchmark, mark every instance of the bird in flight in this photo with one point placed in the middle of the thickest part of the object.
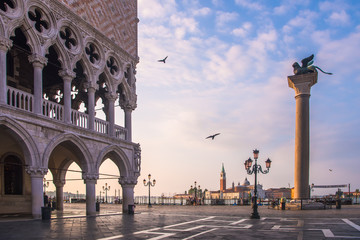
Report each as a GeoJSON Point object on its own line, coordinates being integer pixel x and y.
{"type": "Point", "coordinates": [213, 136]}
{"type": "Point", "coordinates": [330, 170]}
{"type": "Point", "coordinates": [163, 60]}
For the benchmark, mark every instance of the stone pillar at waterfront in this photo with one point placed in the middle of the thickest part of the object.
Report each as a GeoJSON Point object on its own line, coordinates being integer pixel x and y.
{"type": "Point", "coordinates": [302, 85]}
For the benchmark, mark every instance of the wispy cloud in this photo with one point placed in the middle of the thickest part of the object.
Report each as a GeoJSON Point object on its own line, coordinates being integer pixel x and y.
{"type": "Point", "coordinates": [250, 4]}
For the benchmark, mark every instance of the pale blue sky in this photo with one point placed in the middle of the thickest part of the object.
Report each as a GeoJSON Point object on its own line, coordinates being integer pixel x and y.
{"type": "Point", "coordinates": [227, 72]}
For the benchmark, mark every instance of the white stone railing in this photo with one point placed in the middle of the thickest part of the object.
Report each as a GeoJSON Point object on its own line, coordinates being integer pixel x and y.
{"type": "Point", "coordinates": [19, 99]}
{"type": "Point", "coordinates": [23, 100]}
{"type": "Point", "coordinates": [53, 110]}
{"type": "Point", "coordinates": [79, 119]}
{"type": "Point", "coordinates": [120, 132]}
{"type": "Point", "coordinates": [101, 126]}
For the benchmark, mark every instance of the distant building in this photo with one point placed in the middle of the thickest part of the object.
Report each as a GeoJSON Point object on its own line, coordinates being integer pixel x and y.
{"type": "Point", "coordinates": [274, 193]}
{"type": "Point", "coordinates": [240, 192]}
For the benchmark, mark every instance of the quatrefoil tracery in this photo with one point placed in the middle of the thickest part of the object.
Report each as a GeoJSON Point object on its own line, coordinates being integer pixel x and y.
{"type": "Point", "coordinates": [92, 53]}
{"type": "Point", "coordinates": [67, 37]}
{"type": "Point", "coordinates": [111, 65]}
{"type": "Point", "coordinates": [5, 4]}
{"type": "Point", "coordinates": [36, 17]}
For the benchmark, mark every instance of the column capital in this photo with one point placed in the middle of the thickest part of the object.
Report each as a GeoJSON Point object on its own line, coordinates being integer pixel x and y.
{"type": "Point", "coordinates": [90, 177]}
{"type": "Point", "coordinates": [128, 105]}
{"type": "Point", "coordinates": [38, 60]}
{"type": "Point", "coordinates": [302, 83]}
{"type": "Point", "coordinates": [111, 96]}
{"type": "Point", "coordinates": [91, 86]}
{"type": "Point", "coordinates": [5, 44]}
{"type": "Point", "coordinates": [36, 171]}
{"type": "Point", "coordinates": [59, 183]}
{"type": "Point", "coordinates": [127, 181]}
{"type": "Point", "coordinates": [66, 74]}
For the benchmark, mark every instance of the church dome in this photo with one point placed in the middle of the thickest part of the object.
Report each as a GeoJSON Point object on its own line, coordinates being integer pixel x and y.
{"type": "Point", "coordinates": [246, 182]}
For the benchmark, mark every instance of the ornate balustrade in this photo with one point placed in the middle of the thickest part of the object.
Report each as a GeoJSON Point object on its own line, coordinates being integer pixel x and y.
{"type": "Point", "coordinates": [19, 99]}
{"type": "Point", "coordinates": [25, 101]}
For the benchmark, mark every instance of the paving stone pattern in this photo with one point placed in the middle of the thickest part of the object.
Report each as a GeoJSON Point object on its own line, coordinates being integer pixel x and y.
{"type": "Point", "coordinates": [187, 222]}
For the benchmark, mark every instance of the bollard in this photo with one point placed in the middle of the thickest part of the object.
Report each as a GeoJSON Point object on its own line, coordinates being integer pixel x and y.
{"type": "Point", "coordinates": [131, 209]}
{"type": "Point", "coordinates": [97, 206]}
{"type": "Point", "coordinates": [338, 204]}
{"type": "Point", "coordinates": [45, 213]}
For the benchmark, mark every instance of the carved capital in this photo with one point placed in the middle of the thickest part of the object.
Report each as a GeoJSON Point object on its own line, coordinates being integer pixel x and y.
{"type": "Point", "coordinates": [90, 177]}
{"type": "Point", "coordinates": [302, 83]}
{"type": "Point", "coordinates": [67, 74]}
{"type": "Point", "coordinates": [38, 60]}
{"type": "Point", "coordinates": [59, 183]}
{"type": "Point", "coordinates": [111, 96]}
{"type": "Point", "coordinates": [36, 171]}
{"type": "Point", "coordinates": [128, 105]}
{"type": "Point", "coordinates": [127, 181]}
{"type": "Point", "coordinates": [5, 44]}
{"type": "Point", "coordinates": [90, 86]}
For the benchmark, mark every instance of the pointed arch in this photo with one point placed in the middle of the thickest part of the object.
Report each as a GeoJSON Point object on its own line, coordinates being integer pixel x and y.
{"type": "Point", "coordinates": [118, 156]}
{"type": "Point", "coordinates": [25, 140]}
{"type": "Point", "coordinates": [82, 151]}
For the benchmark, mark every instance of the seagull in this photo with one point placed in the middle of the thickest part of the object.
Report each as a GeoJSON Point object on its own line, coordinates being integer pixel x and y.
{"type": "Point", "coordinates": [163, 60]}
{"type": "Point", "coordinates": [213, 136]}
{"type": "Point", "coordinates": [330, 170]}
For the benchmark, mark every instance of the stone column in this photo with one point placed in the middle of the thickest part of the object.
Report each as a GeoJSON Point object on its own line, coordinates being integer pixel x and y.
{"type": "Point", "coordinates": [91, 105]}
{"type": "Point", "coordinates": [127, 185]}
{"type": "Point", "coordinates": [128, 110]}
{"type": "Point", "coordinates": [5, 45]}
{"type": "Point", "coordinates": [59, 194]}
{"type": "Point", "coordinates": [90, 181]}
{"type": "Point", "coordinates": [302, 85]}
{"type": "Point", "coordinates": [67, 77]}
{"type": "Point", "coordinates": [37, 194]}
{"type": "Point", "coordinates": [38, 63]}
{"type": "Point", "coordinates": [111, 109]}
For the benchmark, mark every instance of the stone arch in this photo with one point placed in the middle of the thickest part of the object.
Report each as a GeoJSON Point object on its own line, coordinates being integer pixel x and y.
{"type": "Point", "coordinates": [32, 40]}
{"type": "Point", "coordinates": [74, 142]}
{"type": "Point", "coordinates": [118, 156]}
{"type": "Point", "coordinates": [25, 140]}
{"type": "Point", "coordinates": [63, 55]}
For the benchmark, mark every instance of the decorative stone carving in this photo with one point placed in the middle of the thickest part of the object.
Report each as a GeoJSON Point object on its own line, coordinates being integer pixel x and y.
{"type": "Point", "coordinates": [127, 181]}
{"type": "Point", "coordinates": [65, 73]}
{"type": "Point", "coordinates": [5, 44]}
{"type": "Point", "coordinates": [36, 171]}
{"type": "Point", "coordinates": [59, 183]}
{"type": "Point", "coordinates": [302, 83]}
{"type": "Point", "coordinates": [90, 177]}
{"type": "Point", "coordinates": [137, 158]}
{"type": "Point", "coordinates": [38, 60]}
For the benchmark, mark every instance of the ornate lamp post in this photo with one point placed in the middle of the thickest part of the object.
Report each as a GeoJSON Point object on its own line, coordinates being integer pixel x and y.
{"type": "Point", "coordinates": [195, 191]}
{"type": "Point", "coordinates": [148, 183]}
{"type": "Point", "coordinates": [46, 185]}
{"type": "Point", "coordinates": [255, 169]}
{"type": "Point", "coordinates": [106, 188]}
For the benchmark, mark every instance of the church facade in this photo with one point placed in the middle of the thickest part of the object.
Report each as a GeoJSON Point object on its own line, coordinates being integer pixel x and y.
{"type": "Point", "coordinates": [241, 192]}
{"type": "Point", "coordinates": [58, 60]}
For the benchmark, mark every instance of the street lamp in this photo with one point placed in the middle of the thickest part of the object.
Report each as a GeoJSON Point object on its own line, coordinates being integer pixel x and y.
{"type": "Point", "coordinates": [46, 185]}
{"type": "Point", "coordinates": [255, 169]}
{"type": "Point", "coordinates": [195, 191]}
{"type": "Point", "coordinates": [148, 183]}
{"type": "Point", "coordinates": [106, 188]}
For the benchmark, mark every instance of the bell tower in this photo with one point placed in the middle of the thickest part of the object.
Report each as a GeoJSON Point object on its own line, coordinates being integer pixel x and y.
{"type": "Point", "coordinates": [222, 179]}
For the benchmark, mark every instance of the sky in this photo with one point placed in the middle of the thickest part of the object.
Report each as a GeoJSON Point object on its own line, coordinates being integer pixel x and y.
{"type": "Point", "coordinates": [226, 72]}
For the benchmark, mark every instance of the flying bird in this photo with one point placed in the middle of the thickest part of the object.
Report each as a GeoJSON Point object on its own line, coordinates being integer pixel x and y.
{"type": "Point", "coordinates": [213, 136]}
{"type": "Point", "coordinates": [163, 60]}
{"type": "Point", "coordinates": [330, 170]}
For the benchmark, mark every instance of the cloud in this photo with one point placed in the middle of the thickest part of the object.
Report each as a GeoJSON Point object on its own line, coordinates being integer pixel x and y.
{"type": "Point", "coordinates": [201, 11]}
{"type": "Point", "coordinates": [222, 18]}
{"type": "Point", "coordinates": [339, 18]}
{"type": "Point", "coordinates": [249, 4]}
{"type": "Point", "coordinates": [156, 9]}
{"type": "Point", "coordinates": [243, 30]}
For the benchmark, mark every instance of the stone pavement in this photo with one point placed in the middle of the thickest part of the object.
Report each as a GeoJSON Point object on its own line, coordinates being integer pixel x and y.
{"type": "Point", "coordinates": [187, 222]}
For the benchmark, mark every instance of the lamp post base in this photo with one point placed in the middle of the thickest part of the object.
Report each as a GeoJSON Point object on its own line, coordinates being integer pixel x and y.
{"type": "Point", "coordinates": [149, 205]}
{"type": "Point", "coordinates": [255, 215]}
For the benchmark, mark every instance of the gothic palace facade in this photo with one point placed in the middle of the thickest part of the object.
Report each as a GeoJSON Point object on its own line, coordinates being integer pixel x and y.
{"type": "Point", "coordinates": [58, 58]}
